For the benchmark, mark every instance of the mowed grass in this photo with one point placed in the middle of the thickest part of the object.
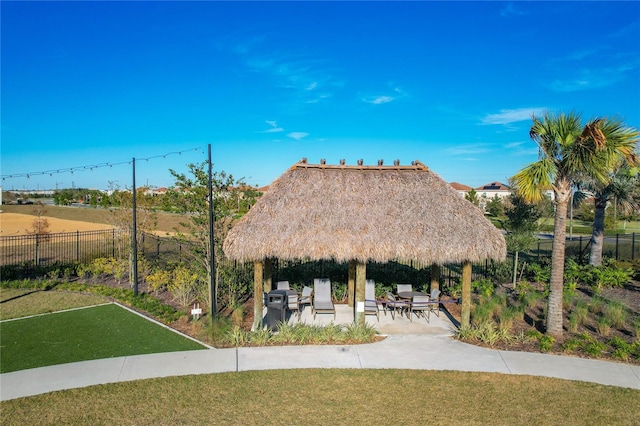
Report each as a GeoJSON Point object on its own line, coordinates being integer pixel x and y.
{"type": "Point", "coordinates": [105, 331]}
{"type": "Point", "coordinates": [18, 303]}
{"type": "Point", "coordinates": [344, 397]}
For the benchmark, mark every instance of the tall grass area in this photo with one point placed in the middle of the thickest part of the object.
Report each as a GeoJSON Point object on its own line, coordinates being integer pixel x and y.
{"type": "Point", "coordinates": [341, 396]}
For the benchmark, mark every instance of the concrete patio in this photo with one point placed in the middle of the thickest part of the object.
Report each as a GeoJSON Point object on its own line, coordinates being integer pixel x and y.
{"type": "Point", "coordinates": [386, 325]}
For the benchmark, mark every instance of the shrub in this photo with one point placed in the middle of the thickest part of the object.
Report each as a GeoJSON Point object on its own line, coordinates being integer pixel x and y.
{"type": "Point", "coordinates": [616, 314]}
{"type": "Point", "coordinates": [159, 280]}
{"type": "Point", "coordinates": [594, 348]}
{"type": "Point", "coordinates": [539, 272]}
{"type": "Point", "coordinates": [483, 287]}
{"type": "Point", "coordinates": [546, 343]}
{"type": "Point", "coordinates": [603, 326]}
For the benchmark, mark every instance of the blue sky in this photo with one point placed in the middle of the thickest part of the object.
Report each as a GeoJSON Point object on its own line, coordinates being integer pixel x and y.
{"type": "Point", "coordinates": [452, 84]}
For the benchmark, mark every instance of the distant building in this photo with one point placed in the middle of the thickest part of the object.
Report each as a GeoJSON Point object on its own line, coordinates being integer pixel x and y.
{"type": "Point", "coordinates": [461, 188]}
{"type": "Point", "coordinates": [493, 189]}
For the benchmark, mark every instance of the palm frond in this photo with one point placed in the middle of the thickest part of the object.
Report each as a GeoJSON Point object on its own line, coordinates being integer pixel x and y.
{"type": "Point", "coordinates": [536, 178]}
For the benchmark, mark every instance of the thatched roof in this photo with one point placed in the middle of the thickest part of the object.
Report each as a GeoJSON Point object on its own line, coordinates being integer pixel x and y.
{"type": "Point", "coordinates": [364, 213]}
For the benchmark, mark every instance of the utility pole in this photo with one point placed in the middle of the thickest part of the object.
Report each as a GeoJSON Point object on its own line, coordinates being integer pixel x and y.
{"type": "Point", "coordinates": [212, 259]}
{"type": "Point", "coordinates": [134, 241]}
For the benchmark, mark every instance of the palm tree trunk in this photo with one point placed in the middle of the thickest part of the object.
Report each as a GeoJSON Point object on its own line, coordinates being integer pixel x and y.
{"type": "Point", "coordinates": [554, 307]}
{"type": "Point", "coordinates": [597, 237]}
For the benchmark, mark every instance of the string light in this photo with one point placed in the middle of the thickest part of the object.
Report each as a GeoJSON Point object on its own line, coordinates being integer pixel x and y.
{"type": "Point", "coordinates": [92, 166]}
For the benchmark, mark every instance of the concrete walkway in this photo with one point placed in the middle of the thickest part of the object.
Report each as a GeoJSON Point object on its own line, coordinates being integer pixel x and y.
{"type": "Point", "coordinates": [406, 351]}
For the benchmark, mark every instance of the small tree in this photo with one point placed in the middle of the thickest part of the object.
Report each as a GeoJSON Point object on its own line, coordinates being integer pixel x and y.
{"type": "Point", "coordinates": [521, 225]}
{"type": "Point", "coordinates": [495, 207]}
{"type": "Point", "coordinates": [189, 196]}
{"type": "Point", "coordinates": [39, 225]}
{"type": "Point", "coordinates": [472, 197]}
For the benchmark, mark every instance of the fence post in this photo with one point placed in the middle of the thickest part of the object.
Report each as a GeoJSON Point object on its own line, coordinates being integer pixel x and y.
{"type": "Point", "coordinates": [580, 247]}
{"type": "Point", "coordinates": [37, 249]}
{"type": "Point", "coordinates": [633, 246]}
{"type": "Point", "coordinates": [158, 248]}
{"type": "Point", "coordinates": [617, 235]}
{"type": "Point", "coordinates": [113, 242]}
{"type": "Point", "coordinates": [77, 246]}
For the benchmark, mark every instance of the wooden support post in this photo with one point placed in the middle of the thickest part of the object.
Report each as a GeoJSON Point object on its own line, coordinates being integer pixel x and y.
{"type": "Point", "coordinates": [268, 275]}
{"type": "Point", "coordinates": [361, 278]}
{"type": "Point", "coordinates": [351, 283]}
{"type": "Point", "coordinates": [465, 315]}
{"type": "Point", "coordinates": [435, 277]}
{"type": "Point", "coordinates": [258, 289]}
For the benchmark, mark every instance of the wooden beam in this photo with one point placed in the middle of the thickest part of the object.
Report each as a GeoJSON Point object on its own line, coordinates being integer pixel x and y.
{"type": "Point", "coordinates": [361, 278]}
{"type": "Point", "coordinates": [351, 283]}
{"type": "Point", "coordinates": [465, 315]}
{"type": "Point", "coordinates": [258, 289]}
{"type": "Point", "coordinates": [268, 275]}
{"type": "Point", "coordinates": [435, 277]}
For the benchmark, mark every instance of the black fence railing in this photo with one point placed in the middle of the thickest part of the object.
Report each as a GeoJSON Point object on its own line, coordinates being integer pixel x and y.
{"type": "Point", "coordinates": [49, 249]}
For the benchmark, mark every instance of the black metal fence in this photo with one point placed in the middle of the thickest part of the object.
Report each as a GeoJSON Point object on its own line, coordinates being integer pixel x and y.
{"type": "Point", "coordinates": [49, 249]}
{"type": "Point", "coordinates": [619, 247]}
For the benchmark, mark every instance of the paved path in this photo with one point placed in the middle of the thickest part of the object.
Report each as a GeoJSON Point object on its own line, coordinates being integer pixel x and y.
{"type": "Point", "coordinates": [408, 351]}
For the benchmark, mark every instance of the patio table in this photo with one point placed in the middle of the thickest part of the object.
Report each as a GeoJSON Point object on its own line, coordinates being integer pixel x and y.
{"type": "Point", "coordinates": [408, 295]}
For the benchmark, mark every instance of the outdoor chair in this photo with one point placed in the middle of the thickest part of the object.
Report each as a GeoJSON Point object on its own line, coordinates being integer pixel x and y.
{"type": "Point", "coordinates": [420, 306]}
{"type": "Point", "coordinates": [306, 298]}
{"type": "Point", "coordinates": [293, 304]}
{"type": "Point", "coordinates": [370, 302]}
{"type": "Point", "coordinates": [404, 287]}
{"type": "Point", "coordinates": [282, 285]}
{"type": "Point", "coordinates": [393, 305]}
{"type": "Point", "coordinates": [434, 302]}
{"type": "Point", "coordinates": [322, 302]}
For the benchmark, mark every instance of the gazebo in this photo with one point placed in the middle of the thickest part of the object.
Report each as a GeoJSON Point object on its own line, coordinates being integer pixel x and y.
{"type": "Point", "coordinates": [361, 214]}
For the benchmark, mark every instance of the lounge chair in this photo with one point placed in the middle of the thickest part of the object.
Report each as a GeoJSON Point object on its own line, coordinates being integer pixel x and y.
{"type": "Point", "coordinates": [282, 285]}
{"type": "Point", "coordinates": [421, 306]}
{"type": "Point", "coordinates": [434, 302]}
{"type": "Point", "coordinates": [393, 305]}
{"type": "Point", "coordinates": [370, 302]}
{"type": "Point", "coordinates": [322, 302]}
{"type": "Point", "coordinates": [306, 298]}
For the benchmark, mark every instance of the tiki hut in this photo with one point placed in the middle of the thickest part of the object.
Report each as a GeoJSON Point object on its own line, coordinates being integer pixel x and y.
{"type": "Point", "coordinates": [361, 214]}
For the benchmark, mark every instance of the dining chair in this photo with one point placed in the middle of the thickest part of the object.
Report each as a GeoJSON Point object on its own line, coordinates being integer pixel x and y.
{"type": "Point", "coordinates": [420, 306]}
{"type": "Point", "coordinates": [404, 287]}
{"type": "Point", "coordinates": [393, 305]}
{"type": "Point", "coordinates": [306, 298]}
{"type": "Point", "coordinates": [370, 302]}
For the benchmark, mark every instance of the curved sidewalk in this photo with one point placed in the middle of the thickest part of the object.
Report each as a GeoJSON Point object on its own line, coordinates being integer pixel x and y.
{"type": "Point", "coordinates": [422, 352]}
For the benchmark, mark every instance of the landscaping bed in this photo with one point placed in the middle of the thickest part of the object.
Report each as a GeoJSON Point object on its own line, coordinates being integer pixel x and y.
{"type": "Point", "coordinates": [602, 325]}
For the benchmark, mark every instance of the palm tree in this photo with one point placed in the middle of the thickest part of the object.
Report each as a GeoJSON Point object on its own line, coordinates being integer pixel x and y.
{"type": "Point", "coordinates": [569, 151]}
{"type": "Point", "coordinates": [619, 189]}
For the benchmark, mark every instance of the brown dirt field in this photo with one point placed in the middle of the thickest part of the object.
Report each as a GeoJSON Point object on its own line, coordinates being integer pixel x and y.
{"type": "Point", "coordinates": [167, 222]}
{"type": "Point", "coordinates": [19, 224]}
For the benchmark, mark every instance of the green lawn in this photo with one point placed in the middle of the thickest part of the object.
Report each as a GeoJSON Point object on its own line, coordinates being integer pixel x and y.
{"type": "Point", "coordinates": [105, 331]}
{"type": "Point", "coordinates": [333, 397]}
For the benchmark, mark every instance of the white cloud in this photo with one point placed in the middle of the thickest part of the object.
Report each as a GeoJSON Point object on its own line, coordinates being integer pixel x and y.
{"type": "Point", "coordinates": [508, 116]}
{"type": "Point", "coordinates": [467, 149]}
{"type": "Point", "coordinates": [312, 85]}
{"type": "Point", "coordinates": [510, 10]}
{"type": "Point", "coordinates": [378, 100]}
{"type": "Point", "coordinates": [513, 145]}
{"type": "Point", "coordinates": [298, 135]}
{"type": "Point", "coordinates": [593, 78]}
{"type": "Point", "coordinates": [274, 127]}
